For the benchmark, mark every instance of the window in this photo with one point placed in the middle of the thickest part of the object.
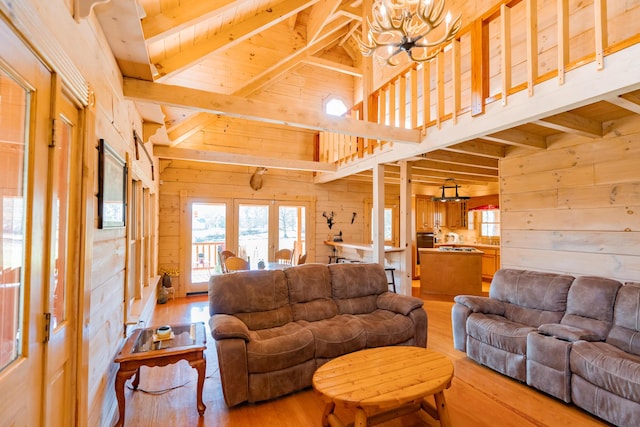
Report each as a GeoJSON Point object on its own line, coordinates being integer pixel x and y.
{"type": "Point", "coordinates": [14, 146]}
{"type": "Point", "coordinates": [490, 223]}
{"type": "Point", "coordinates": [335, 107]}
{"type": "Point", "coordinates": [391, 222]}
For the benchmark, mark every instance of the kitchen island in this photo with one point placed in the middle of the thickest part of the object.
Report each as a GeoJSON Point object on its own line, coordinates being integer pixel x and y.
{"type": "Point", "coordinates": [450, 271]}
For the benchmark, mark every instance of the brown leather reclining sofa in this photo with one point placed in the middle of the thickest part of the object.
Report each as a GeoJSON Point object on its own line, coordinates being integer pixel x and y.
{"type": "Point", "coordinates": [577, 339]}
{"type": "Point", "coordinates": [273, 329]}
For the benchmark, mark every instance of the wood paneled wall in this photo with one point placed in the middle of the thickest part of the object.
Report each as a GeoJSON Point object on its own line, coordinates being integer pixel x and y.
{"type": "Point", "coordinates": [205, 181]}
{"type": "Point", "coordinates": [575, 208]}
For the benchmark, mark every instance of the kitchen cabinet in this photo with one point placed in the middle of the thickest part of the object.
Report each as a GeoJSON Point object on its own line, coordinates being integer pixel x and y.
{"type": "Point", "coordinates": [427, 213]}
{"type": "Point", "coordinates": [456, 214]}
{"type": "Point", "coordinates": [490, 262]}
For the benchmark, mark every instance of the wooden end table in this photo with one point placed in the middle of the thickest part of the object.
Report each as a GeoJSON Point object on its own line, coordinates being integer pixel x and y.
{"type": "Point", "coordinates": [187, 342]}
{"type": "Point", "coordinates": [384, 383]}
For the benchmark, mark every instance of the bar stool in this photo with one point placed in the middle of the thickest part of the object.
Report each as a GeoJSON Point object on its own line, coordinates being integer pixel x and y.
{"type": "Point", "coordinates": [392, 282]}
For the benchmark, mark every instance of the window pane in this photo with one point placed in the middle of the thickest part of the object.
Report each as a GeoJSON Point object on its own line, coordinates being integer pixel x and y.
{"type": "Point", "coordinates": [291, 229]}
{"type": "Point", "coordinates": [60, 211]}
{"type": "Point", "coordinates": [14, 101]}
{"type": "Point", "coordinates": [208, 235]}
{"type": "Point", "coordinates": [253, 233]}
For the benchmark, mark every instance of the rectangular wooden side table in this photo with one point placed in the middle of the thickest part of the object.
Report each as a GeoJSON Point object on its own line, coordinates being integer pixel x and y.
{"type": "Point", "coordinates": [143, 348]}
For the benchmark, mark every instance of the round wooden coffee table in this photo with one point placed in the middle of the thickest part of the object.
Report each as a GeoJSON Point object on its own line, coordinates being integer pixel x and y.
{"type": "Point", "coordinates": [384, 383]}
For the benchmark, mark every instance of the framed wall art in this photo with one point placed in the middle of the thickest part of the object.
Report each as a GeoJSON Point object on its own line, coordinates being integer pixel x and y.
{"type": "Point", "coordinates": [112, 188]}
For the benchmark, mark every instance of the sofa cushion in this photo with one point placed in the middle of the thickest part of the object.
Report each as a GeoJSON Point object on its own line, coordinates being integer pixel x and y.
{"type": "Point", "coordinates": [385, 327]}
{"type": "Point", "coordinates": [607, 367]}
{"type": "Point", "coordinates": [534, 297]}
{"type": "Point", "coordinates": [310, 292]}
{"type": "Point", "coordinates": [278, 348]}
{"type": "Point", "coordinates": [355, 287]}
{"type": "Point", "coordinates": [259, 298]}
{"type": "Point", "coordinates": [625, 333]}
{"type": "Point", "coordinates": [499, 332]}
{"type": "Point", "coordinates": [590, 305]}
{"type": "Point", "coordinates": [336, 336]}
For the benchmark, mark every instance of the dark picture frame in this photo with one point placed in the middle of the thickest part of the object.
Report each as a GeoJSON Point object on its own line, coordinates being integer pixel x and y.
{"type": "Point", "coordinates": [112, 188]}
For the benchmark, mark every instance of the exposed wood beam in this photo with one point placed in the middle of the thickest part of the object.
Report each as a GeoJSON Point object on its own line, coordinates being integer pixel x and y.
{"type": "Point", "coordinates": [462, 159]}
{"type": "Point", "coordinates": [572, 123]}
{"type": "Point", "coordinates": [240, 159]}
{"type": "Point", "coordinates": [429, 177]}
{"type": "Point", "coordinates": [272, 73]}
{"type": "Point", "coordinates": [185, 129]}
{"type": "Point", "coordinates": [354, 13]}
{"type": "Point", "coordinates": [190, 13]}
{"type": "Point", "coordinates": [333, 66]}
{"type": "Point", "coordinates": [199, 100]}
{"type": "Point", "coordinates": [230, 36]}
{"type": "Point", "coordinates": [518, 138]}
{"type": "Point", "coordinates": [319, 14]}
{"type": "Point", "coordinates": [627, 102]}
{"type": "Point", "coordinates": [478, 147]}
{"type": "Point", "coordinates": [433, 165]}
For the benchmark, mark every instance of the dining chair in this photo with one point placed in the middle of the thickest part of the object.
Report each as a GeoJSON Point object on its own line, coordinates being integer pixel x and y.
{"type": "Point", "coordinates": [284, 256]}
{"type": "Point", "coordinates": [234, 263]}
{"type": "Point", "coordinates": [223, 258]}
{"type": "Point", "coordinates": [302, 259]}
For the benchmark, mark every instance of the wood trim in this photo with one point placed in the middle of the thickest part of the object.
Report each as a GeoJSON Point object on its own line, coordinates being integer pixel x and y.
{"type": "Point", "coordinates": [28, 22]}
{"type": "Point", "coordinates": [532, 44]}
{"type": "Point", "coordinates": [505, 30]}
{"type": "Point", "coordinates": [563, 39]}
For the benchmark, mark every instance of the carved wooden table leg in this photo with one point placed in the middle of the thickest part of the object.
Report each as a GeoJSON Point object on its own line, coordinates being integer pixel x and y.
{"type": "Point", "coordinates": [136, 380]}
{"type": "Point", "coordinates": [200, 365]}
{"type": "Point", "coordinates": [121, 378]}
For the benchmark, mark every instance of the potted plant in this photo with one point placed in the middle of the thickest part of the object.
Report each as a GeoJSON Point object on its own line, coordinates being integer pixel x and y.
{"type": "Point", "coordinates": [167, 273]}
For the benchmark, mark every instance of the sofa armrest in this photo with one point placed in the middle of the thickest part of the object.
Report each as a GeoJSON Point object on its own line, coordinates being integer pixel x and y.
{"type": "Point", "coordinates": [567, 333]}
{"type": "Point", "coordinates": [479, 304]}
{"type": "Point", "coordinates": [224, 326]}
{"type": "Point", "coordinates": [402, 304]}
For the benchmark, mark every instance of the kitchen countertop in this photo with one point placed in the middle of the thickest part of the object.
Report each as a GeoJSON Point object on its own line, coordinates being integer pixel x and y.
{"type": "Point", "coordinates": [361, 246]}
{"type": "Point", "coordinates": [448, 249]}
{"type": "Point", "coordinates": [474, 245]}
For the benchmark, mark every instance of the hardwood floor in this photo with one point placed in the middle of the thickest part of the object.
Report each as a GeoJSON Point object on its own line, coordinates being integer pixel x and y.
{"type": "Point", "coordinates": [478, 396]}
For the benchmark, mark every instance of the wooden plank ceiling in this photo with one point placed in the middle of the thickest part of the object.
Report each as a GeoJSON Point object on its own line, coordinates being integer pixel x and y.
{"type": "Point", "coordinates": [233, 75]}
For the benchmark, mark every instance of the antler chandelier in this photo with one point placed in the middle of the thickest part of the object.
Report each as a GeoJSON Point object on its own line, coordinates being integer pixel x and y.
{"type": "Point", "coordinates": [398, 26]}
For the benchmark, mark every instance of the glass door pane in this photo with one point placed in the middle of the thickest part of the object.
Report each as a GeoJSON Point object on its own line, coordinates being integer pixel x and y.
{"type": "Point", "coordinates": [59, 182]}
{"type": "Point", "coordinates": [208, 237]}
{"type": "Point", "coordinates": [291, 230]}
{"type": "Point", "coordinates": [253, 233]}
{"type": "Point", "coordinates": [14, 104]}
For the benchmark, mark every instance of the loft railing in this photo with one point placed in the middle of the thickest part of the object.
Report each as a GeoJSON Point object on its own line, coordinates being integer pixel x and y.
{"type": "Point", "coordinates": [513, 47]}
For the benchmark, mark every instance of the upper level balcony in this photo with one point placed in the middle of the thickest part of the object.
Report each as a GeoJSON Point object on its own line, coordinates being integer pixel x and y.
{"type": "Point", "coordinates": [516, 78]}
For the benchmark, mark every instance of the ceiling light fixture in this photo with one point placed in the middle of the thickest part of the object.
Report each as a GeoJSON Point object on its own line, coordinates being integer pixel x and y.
{"type": "Point", "coordinates": [398, 26]}
{"type": "Point", "coordinates": [445, 198]}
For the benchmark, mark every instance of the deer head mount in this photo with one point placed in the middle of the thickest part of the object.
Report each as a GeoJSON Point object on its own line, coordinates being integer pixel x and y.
{"type": "Point", "coordinates": [256, 180]}
{"type": "Point", "coordinates": [329, 218]}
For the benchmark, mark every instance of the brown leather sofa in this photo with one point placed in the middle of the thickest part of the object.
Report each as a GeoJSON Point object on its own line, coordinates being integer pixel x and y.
{"type": "Point", "coordinates": [577, 339]}
{"type": "Point", "coordinates": [273, 329]}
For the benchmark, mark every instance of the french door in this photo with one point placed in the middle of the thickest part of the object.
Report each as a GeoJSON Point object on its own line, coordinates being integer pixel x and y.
{"type": "Point", "coordinates": [39, 190]}
{"type": "Point", "coordinates": [251, 229]}
{"type": "Point", "coordinates": [264, 227]}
